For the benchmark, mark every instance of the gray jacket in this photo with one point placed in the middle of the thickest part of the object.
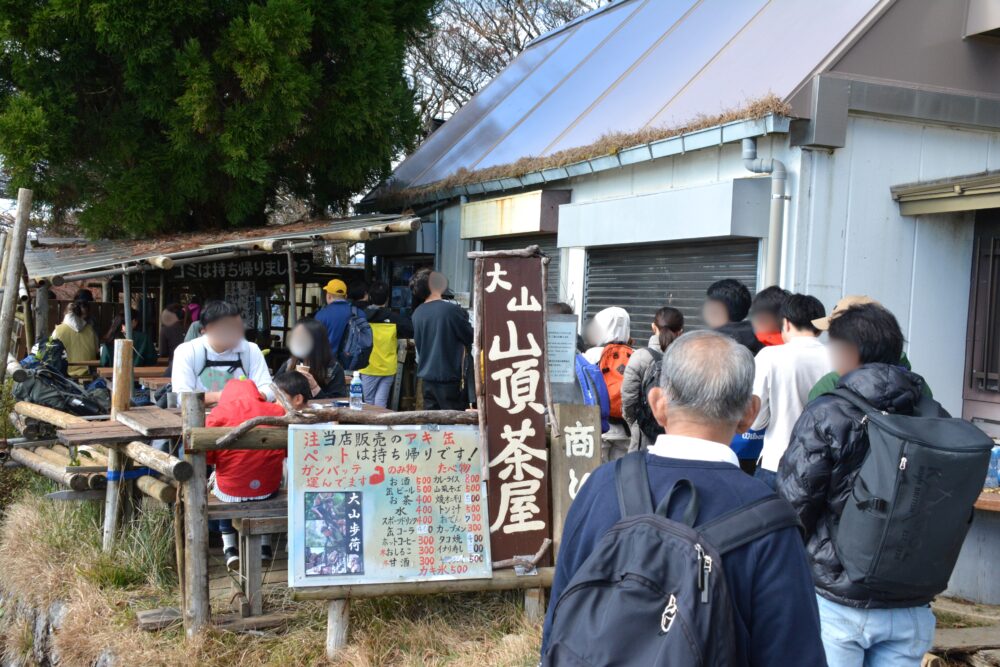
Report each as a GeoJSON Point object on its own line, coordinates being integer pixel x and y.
{"type": "Point", "coordinates": [632, 390]}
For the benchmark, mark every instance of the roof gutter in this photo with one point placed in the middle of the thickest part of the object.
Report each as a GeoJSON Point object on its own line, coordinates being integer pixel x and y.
{"type": "Point", "coordinates": [776, 168]}
{"type": "Point", "coordinates": [716, 135]}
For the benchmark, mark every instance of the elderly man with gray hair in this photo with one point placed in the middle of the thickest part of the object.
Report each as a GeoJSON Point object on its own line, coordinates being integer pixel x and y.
{"type": "Point", "coordinates": [704, 397]}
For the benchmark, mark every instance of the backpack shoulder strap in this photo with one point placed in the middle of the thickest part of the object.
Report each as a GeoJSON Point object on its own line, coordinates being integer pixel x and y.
{"type": "Point", "coordinates": [632, 483]}
{"type": "Point", "coordinates": [855, 400]}
{"type": "Point", "coordinates": [746, 524]}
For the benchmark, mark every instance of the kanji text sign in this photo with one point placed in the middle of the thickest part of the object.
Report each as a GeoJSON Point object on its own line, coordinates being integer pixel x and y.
{"type": "Point", "coordinates": [371, 504]}
{"type": "Point", "coordinates": [512, 337]}
{"type": "Point", "coordinates": [576, 453]}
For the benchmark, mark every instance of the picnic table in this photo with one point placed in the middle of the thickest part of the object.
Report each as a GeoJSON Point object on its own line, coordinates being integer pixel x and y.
{"type": "Point", "coordinates": [139, 372]}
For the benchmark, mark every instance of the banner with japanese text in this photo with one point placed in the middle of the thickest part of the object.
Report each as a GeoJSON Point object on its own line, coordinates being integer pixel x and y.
{"type": "Point", "coordinates": [512, 340]}
{"type": "Point", "coordinates": [376, 504]}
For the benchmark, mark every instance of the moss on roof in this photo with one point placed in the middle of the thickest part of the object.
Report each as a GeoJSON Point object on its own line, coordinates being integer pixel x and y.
{"type": "Point", "coordinates": [389, 198]}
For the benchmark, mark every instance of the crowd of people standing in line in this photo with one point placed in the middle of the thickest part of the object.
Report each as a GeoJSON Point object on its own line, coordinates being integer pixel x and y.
{"type": "Point", "coordinates": [759, 390]}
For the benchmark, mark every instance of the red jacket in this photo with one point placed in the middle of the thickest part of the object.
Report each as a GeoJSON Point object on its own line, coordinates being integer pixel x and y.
{"type": "Point", "coordinates": [245, 473]}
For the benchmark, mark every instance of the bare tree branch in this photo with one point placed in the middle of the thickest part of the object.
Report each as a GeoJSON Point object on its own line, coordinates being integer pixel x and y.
{"type": "Point", "coordinates": [471, 43]}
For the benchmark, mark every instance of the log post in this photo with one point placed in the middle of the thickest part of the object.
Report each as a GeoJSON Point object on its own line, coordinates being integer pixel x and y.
{"type": "Point", "coordinates": [29, 316]}
{"type": "Point", "coordinates": [338, 618]}
{"type": "Point", "coordinates": [127, 301]}
{"type": "Point", "coordinates": [42, 310]}
{"type": "Point", "coordinates": [161, 462]}
{"type": "Point", "coordinates": [293, 310]}
{"type": "Point", "coordinates": [121, 398]}
{"type": "Point", "coordinates": [3, 255]}
{"type": "Point", "coordinates": [14, 257]}
{"type": "Point", "coordinates": [534, 604]}
{"type": "Point", "coordinates": [197, 612]}
{"type": "Point", "coordinates": [54, 471]}
{"type": "Point", "coordinates": [57, 418]}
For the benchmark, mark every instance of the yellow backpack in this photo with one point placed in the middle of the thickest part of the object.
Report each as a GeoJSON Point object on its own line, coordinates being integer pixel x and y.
{"type": "Point", "coordinates": [382, 361]}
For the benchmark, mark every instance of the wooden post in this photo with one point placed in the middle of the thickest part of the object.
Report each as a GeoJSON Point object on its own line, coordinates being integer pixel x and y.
{"type": "Point", "coordinates": [534, 604]}
{"type": "Point", "coordinates": [121, 398]}
{"type": "Point", "coordinates": [14, 259]}
{"type": "Point", "coordinates": [338, 618]}
{"type": "Point", "coordinates": [197, 612]}
{"type": "Point", "coordinates": [106, 290]}
{"type": "Point", "coordinates": [127, 301]}
{"type": "Point", "coordinates": [293, 304]}
{"type": "Point", "coordinates": [29, 316]}
{"type": "Point", "coordinates": [145, 293]}
{"type": "Point", "coordinates": [179, 542]}
{"type": "Point", "coordinates": [42, 309]}
{"type": "Point", "coordinates": [162, 301]}
{"type": "Point", "coordinates": [3, 255]}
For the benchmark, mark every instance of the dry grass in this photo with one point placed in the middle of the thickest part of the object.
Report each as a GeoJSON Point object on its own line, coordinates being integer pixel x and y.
{"type": "Point", "coordinates": [609, 144]}
{"type": "Point", "coordinates": [50, 552]}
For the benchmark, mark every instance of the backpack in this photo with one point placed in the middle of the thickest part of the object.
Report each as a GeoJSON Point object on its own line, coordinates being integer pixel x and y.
{"type": "Point", "coordinates": [595, 392]}
{"type": "Point", "coordinates": [356, 345]}
{"type": "Point", "coordinates": [52, 390]}
{"type": "Point", "coordinates": [614, 359]}
{"type": "Point", "coordinates": [653, 590]}
{"type": "Point", "coordinates": [383, 358]}
{"type": "Point", "coordinates": [50, 353]}
{"type": "Point", "coordinates": [911, 500]}
{"type": "Point", "coordinates": [644, 419]}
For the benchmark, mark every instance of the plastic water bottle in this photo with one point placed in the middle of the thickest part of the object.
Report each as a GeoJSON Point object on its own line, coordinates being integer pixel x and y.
{"type": "Point", "coordinates": [357, 392]}
{"type": "Point", "coordinates": [993, 472]}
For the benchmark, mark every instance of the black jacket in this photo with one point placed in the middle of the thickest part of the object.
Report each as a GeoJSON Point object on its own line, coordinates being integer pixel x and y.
{"type": "Point", "coordinates": [742, 333]}
{"type": "Point", "coordinates": [404, 327]}
{"type": "Point", "coordinates": [442, 334]}
{"type": "Point", "coordinates": [818, 469]}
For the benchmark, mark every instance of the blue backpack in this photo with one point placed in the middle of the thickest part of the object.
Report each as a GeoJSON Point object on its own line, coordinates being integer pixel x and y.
{"type": "Point", "coordinates": [356, 346]}
{"type": "Point", "coordinates": [595, 391]}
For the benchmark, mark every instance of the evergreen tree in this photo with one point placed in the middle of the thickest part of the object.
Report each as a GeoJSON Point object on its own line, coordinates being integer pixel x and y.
{"type": "Point", "coordinates": [147, 116]}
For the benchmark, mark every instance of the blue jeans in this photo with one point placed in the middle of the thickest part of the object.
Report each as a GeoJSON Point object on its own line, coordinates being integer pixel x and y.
{"type": "Point", "coordinates": [875, 637]}
{"type": "Point", "coordinates": [768, 477]}
{"type": "Point", "coordinates": [377, 389]}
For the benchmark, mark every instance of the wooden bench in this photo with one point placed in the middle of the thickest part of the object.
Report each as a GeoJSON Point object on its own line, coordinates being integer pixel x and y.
{"type": "Point", "coordinates": [256, 518]}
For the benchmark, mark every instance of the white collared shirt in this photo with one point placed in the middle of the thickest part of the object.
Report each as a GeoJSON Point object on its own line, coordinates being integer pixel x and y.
{"type": "Point", "coordinates": [693, 449]}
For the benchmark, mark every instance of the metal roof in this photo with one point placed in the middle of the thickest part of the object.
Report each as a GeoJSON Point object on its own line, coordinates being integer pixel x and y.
{"type": "Point", "coordinates": [949, 195]}
{"type": "Point", "coordinates": [636, 64]}
{"type": "Point", "coordinates": [49, 257]}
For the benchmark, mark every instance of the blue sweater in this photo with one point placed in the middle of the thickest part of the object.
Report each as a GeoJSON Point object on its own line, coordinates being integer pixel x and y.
{"type": "Point", "coordinates": [777, 621]}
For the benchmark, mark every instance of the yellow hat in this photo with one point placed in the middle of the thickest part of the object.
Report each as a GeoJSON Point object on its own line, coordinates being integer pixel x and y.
{"type": "Point", "coordinates": [336, 286]}
{"type": "Point", "coordinates": [823, 323]}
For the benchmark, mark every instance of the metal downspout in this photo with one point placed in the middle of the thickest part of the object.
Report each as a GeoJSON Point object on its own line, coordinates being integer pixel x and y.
{"type": "Point", "coordinates": [776, 168]}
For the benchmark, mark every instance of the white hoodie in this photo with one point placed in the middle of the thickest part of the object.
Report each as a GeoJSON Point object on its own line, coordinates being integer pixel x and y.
{"type": "Point", "coordinates": [611, 325]}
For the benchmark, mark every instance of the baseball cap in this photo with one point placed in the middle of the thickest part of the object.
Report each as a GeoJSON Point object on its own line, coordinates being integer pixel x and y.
{"type": "Point", "coordinates": [337, 287]}
{"type": "Point", "coordinates": [846, 302]}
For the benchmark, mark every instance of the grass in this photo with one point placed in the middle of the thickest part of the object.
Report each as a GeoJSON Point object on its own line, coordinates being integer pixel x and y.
{"type": "Point", "coordinates": [51, 551]}
{"type": "Point", "coordinates": [950, 620]}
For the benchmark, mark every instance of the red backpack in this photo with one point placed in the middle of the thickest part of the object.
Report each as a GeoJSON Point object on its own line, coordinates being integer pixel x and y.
{"type": "Point", "coordinates": [613, 361]}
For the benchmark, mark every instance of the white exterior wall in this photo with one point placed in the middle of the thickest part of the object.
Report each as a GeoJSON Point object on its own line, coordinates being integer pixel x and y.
{"type": "Point", "coordinates": [718, 164]}
{"type": "Point", "coordinates": [846, 236]}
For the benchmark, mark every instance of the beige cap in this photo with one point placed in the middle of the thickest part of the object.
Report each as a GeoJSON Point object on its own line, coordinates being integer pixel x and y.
{"type": "Point", "coordinates": [823, 323]}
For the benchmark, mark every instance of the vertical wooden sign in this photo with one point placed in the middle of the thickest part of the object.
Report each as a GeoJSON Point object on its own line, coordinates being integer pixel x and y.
{"type": "Point", "coordinates": [512, 375]}
{"type": "Point", "coordinates": [576, 452]}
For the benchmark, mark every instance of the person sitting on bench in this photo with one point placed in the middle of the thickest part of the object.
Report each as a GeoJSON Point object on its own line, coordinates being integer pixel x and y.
{"type": "Point", "coordinates": [243, 475]}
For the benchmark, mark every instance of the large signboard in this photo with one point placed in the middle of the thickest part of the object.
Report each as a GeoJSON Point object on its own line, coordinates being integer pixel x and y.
{"type": "Point", "coordinates": [512, 339]}
{"type": "Point", "coordinates": [373, 504]}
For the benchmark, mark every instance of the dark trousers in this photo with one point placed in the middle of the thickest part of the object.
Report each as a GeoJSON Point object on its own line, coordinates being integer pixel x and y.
{"type": "Point", "coordinates": [444, 396]}
{"type": "Point", "coordinates": [768, 477]}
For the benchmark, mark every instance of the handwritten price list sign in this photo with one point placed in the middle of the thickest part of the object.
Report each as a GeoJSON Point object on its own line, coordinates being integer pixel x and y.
{"type": "Point", "coordinates": [385, 504]}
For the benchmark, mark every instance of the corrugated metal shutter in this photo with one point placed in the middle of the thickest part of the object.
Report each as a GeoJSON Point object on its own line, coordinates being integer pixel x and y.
{"type": "Point", "coordinates": [642, 279]}
{"type": "Point", "coordinates": [547, 242]}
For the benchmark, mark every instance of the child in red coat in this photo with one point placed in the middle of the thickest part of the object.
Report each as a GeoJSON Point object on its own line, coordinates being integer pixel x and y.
{"type": "Point", "coordinates": [243, 475]}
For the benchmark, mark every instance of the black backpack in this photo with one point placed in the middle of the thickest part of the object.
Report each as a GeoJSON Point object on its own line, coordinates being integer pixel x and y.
{"type": "Point", "coordinates": [653, 592]}
{"type": "Point", "coordinates": [911, 501]}
{"type": "Point", "coordinates": [644, 418]}
{"type": "Point", "coordinates": [46, 387]}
